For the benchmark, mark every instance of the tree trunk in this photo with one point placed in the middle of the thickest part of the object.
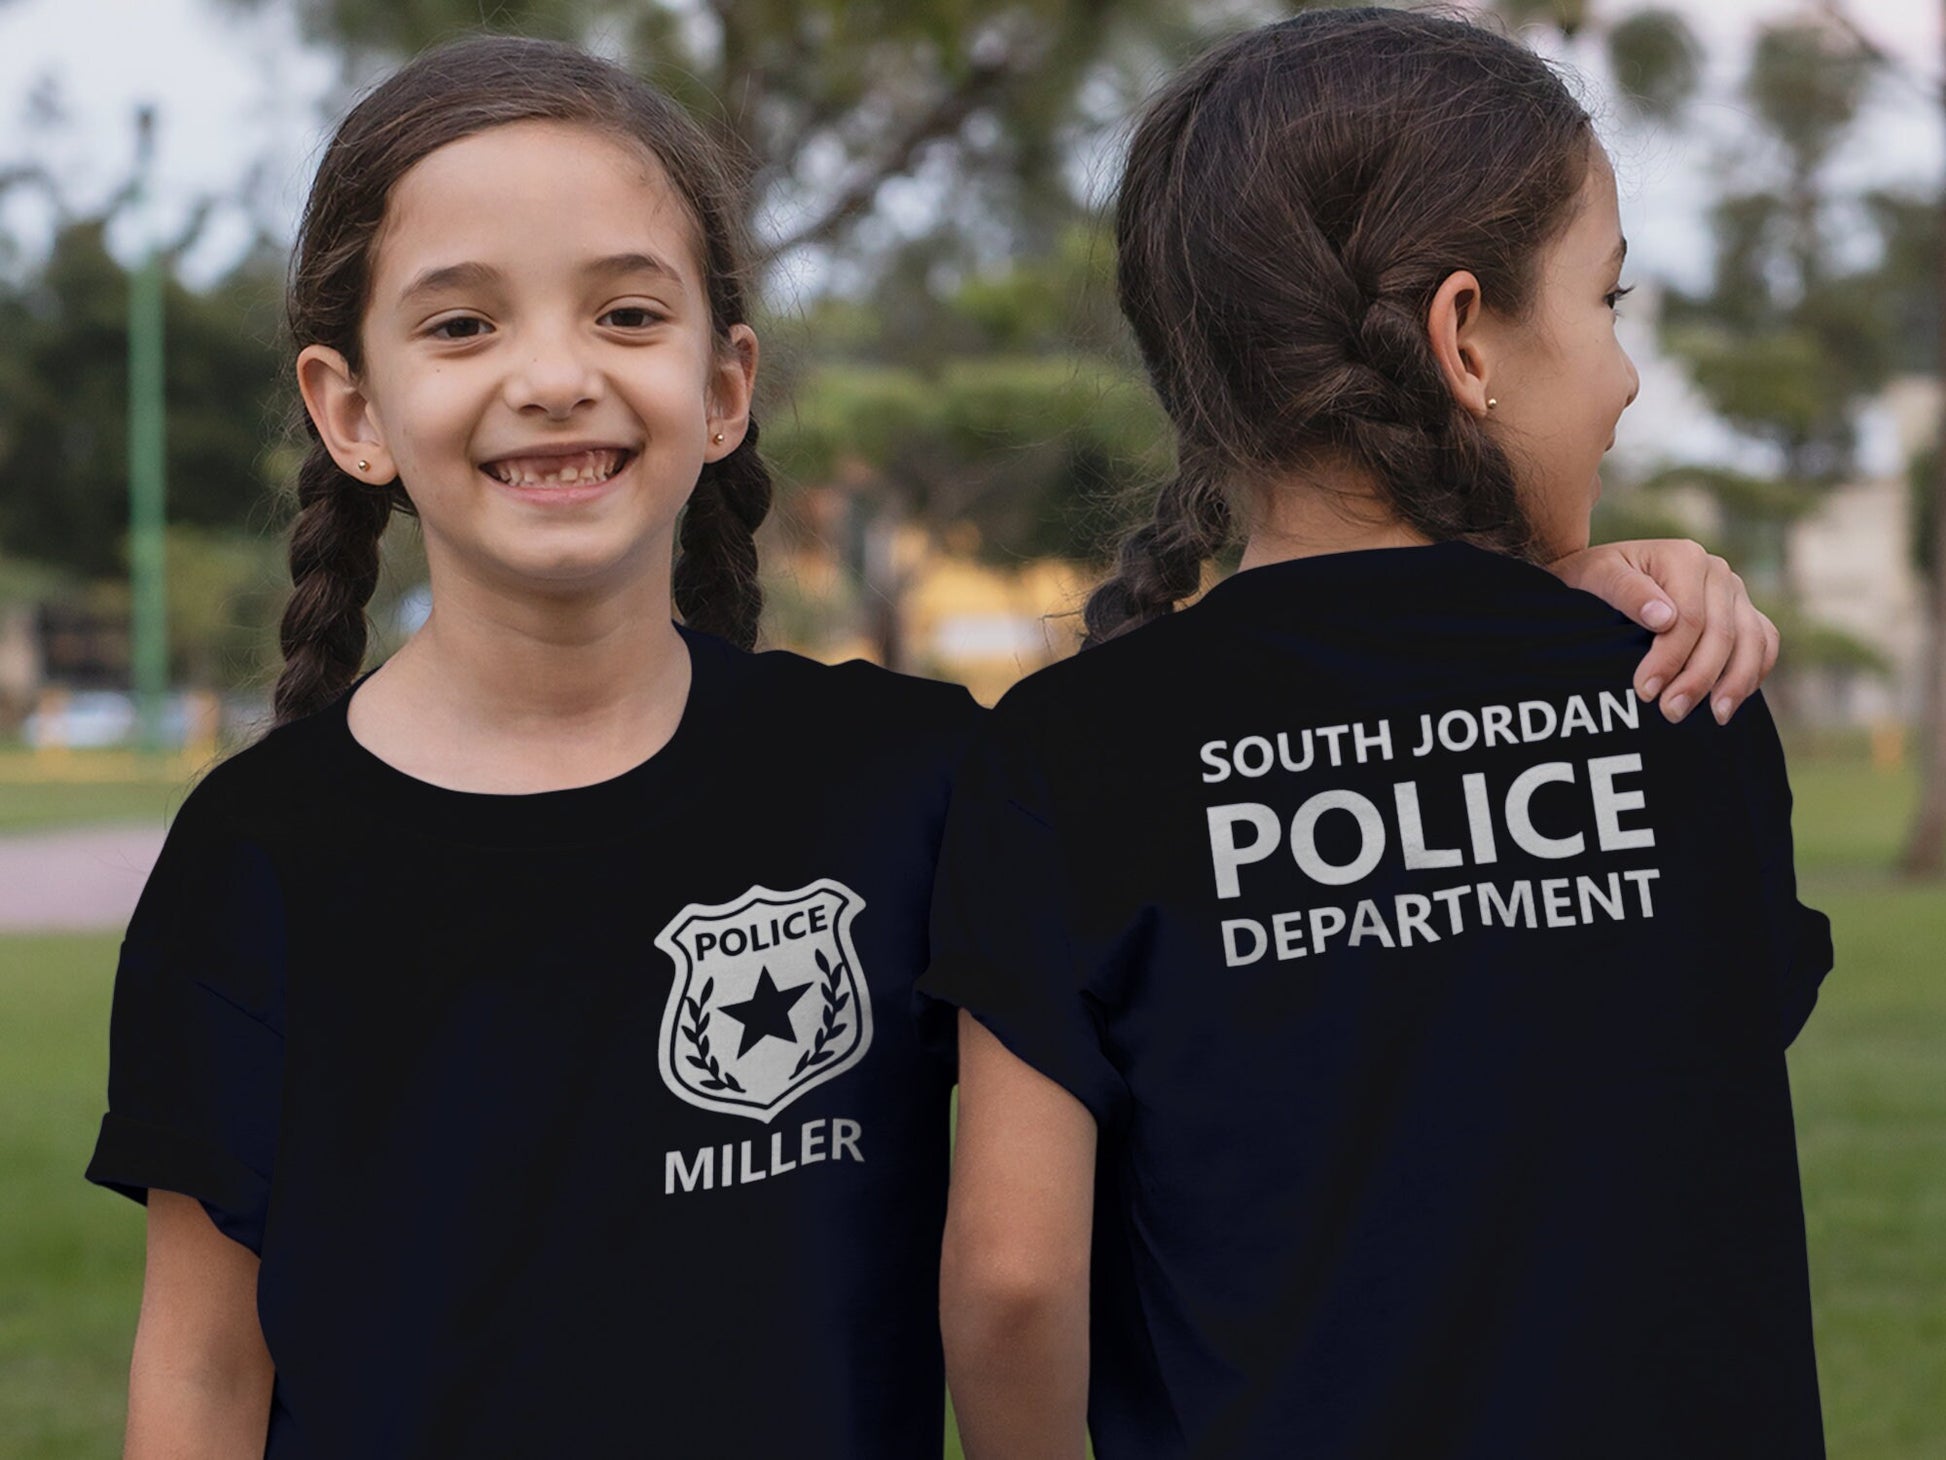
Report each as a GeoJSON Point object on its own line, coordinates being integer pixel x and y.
{"type": "Point", "coordinates": [1925, 847]}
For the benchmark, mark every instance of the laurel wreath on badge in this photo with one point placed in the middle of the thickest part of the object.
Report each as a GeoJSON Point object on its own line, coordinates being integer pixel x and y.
{"type": "Point", "coordinates": [697, 1032]}
{"type": "Point", "coordinates": [835, 999]}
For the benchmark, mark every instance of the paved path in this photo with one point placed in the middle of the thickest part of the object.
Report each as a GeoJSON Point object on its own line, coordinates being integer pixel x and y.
{"type": "Point", "coordinates": [81, 879]}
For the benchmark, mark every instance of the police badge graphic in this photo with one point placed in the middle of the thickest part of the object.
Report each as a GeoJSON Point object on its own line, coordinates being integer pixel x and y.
{"type": "Point", "coordinates": [767, 1001]}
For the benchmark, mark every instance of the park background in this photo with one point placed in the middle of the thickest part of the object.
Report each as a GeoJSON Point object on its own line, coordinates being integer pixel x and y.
{"type": "Point", "coordinates": [958, 426]}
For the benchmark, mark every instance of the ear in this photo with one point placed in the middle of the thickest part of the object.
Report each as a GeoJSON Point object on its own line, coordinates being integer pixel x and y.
{"type": "Point", "coordinates": [1462, 340]}
{"type": "Point", "coordinates": [732, 382]}
{"type": "Point", "coordinates": [342, 414]}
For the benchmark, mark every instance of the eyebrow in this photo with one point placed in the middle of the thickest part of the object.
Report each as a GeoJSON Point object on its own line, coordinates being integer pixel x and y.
{"type": "Point", "coordinates": [479, 276]}
{"type": "Point", "coordinates": [1620, 253]}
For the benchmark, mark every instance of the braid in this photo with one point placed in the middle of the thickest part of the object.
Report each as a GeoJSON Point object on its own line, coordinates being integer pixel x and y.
{"type": "Point", "coordinates": [715, 581]}
{"type": "Point", "coordinates": [1161, 562]}
{"type": "Point", "coordinates": [334, 568]}
{"type": "Point", "coordinates": [1441, 472]}
{"type": "Point", "coordinates": [1291, 204]}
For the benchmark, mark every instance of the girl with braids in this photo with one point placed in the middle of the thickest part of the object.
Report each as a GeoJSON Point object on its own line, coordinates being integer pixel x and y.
{"type": "Point", "coordinates": [514, 1047]}
{"type": "Point", "coordinates": [1372, 1013]}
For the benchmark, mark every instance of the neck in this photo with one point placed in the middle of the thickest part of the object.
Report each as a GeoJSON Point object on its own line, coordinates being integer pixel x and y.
{"type": "Point", "coordinates": [580, 659]}
{"type": "Point", "coordinates": [1326, 509]}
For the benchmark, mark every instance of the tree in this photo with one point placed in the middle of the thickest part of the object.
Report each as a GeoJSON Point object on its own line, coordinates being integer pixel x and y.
{"type": "Point", "coordinates": [1789, 338]}
{"type": "Point", "coordinates": [1652, 54]}
{"type": "Point", "coordinates": [994, 414]}
{"type": "Point", "coordinates": [1788, 341]}
{"type": "Point", "coordinates": [835, 99]}
{"type": "Point", "coordinates": [63, 412]}
{"type": "Point", "coordinates": [1924, 853]}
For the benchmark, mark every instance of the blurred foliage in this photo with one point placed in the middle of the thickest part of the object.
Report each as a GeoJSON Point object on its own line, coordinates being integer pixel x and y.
{"type": "Point", "coordinates": [22, 580]}
{"type": "Point", "coordinates": [1656, 60]}
{"type": "Point", "coordinates": [994, 414]}
{"type": "Point", "coordinates": [1908, 275]}
{"type": "Point", "coordinates": [1033, 451]}
{"type": "Point", "coordinates": [1810, 644]}
{"type": "Point", "coordinates": [225, 589]}
{"type": "Point", "coordinates": [835, 99]}
{"type": "Point", "coordinates": [1788, 339]}
{"type": "Point", "coordinates": [1632, 516]}
{"type": "Point", "coordinates": [63, 401]}
{"type": "Point", "coordinates": [1794, 333]}
{"type": "Point", "coordinates": [1807, 80]}
{"type": "Point", "coordinates": [1742, 496]}
{"type": "Point", "coordinates": [1652, 55]}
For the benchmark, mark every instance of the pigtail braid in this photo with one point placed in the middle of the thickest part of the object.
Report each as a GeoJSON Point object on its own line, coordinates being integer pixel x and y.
{"type": "Point", "coordinates": [334, 568]}
{"type": "Point", "coordinates": [1437, 466]}
{"type": "Point", "coordinates": [715, 581]}
{"type": "Point", "coordinates": [1161, 562]}
{"type": "Point", "coordinates": [1291, 204]}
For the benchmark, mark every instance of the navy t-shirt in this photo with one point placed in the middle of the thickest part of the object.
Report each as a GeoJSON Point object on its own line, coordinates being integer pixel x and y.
{"type": "Point", "coordinates": [589, 1122]}
{"type": "Point", "coordinates": [1431, 996]}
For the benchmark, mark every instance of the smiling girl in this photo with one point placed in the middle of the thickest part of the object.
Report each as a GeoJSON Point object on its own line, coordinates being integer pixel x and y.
{"type": "Point", "coordinates": [514, 1047]}
{"type": "Point", "coordinates": [1329, 1088]}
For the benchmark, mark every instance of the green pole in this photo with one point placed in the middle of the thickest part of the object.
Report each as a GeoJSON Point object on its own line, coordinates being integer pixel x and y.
{"type": "Point", "coordinates": [147, 489]}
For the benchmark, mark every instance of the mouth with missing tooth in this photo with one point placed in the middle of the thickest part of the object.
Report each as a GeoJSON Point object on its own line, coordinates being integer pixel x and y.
{"type": "Point", "coordinates": [581, 468]}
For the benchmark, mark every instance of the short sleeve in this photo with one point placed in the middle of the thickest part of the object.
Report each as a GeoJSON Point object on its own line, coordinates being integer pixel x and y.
{"type": "Point", "coordinates": [1798, 938]}
{"type": "Point", "coordinates": [196, 1045]}
{"type": "Point", "coordinates": [1001, 944]}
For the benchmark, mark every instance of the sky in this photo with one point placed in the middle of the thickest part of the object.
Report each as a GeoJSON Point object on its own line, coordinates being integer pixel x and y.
{"type": "Point", "coordinates": [229, 92]}
{"type": "Point", "coordinates": [236, 92]}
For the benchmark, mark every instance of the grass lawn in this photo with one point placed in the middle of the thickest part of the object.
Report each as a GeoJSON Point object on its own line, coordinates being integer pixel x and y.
{"type": "Point", "coordinates": [89, 786]}
{"type": "Point", "coordinates": [1871, 1111]}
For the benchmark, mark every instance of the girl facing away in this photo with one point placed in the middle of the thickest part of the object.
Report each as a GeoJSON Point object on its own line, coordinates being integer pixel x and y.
{"type": "Point", "coordinates": [1373, 1017]}
{"type": "Point", "coordinates": [514, 1048]}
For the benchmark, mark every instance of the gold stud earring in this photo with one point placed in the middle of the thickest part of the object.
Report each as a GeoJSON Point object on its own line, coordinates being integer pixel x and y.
{"type": "Point", "coordinates": [364, 465]}
{"type": "Point", "coordinates": [718, 438]}
{"type": "Point", "coordinates": [1491, 402]}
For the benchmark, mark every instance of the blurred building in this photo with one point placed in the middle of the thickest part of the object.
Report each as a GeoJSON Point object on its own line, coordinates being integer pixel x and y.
{"type": "Point", "coordinates": [1855, 569]}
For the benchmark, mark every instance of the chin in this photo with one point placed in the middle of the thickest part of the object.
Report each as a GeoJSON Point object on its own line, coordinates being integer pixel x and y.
{"type": "Point", "coordinates": [564, 570]}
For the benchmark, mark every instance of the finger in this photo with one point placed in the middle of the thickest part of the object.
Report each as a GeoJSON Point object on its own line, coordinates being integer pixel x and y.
{"type": "Point", "coordinates": [1713, 645]}
{"type": "Point", "coordinates": [1682, 570]}
{"type": "Point", "coordinates": [1622, 585]}
{"type": "Point", "coordinates": [1745, 669]}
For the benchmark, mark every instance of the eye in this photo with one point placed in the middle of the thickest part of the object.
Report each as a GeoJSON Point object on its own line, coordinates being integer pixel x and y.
{"type": "Point", "coordinates": [643, 317]}
{"type": "Point", "coordinates": [458, 319]}
{"type": "Point", "coordinates": [1614, 297]}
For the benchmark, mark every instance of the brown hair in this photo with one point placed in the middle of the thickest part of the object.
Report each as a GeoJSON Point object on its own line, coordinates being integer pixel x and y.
{"type": "Point", "coordinates": [1291, 203]}
{"type": "Point", "coordinates": [449, 92]}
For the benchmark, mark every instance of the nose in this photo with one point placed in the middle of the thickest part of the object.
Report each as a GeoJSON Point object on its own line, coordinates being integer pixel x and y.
{"type": "Point", "coordinates": [553, 374]}
{"type": "Point", "coordinates": [1634, 381]}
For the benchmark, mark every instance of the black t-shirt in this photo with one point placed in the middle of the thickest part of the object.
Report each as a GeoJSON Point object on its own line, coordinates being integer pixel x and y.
{"type": "Point", "coordinates": [1431, 997]}
{"type": "Point", "coordinates": [590, 1122]}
